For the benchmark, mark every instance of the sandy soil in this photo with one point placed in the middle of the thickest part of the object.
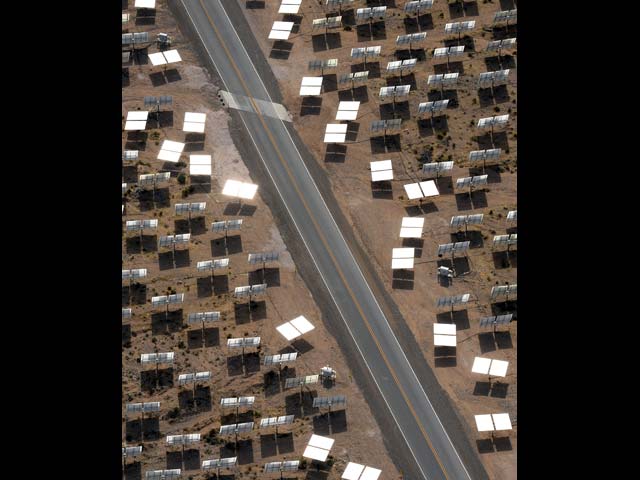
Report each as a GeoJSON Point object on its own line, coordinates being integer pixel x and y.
{"type": "Point", "coordinates": [356, 433]}
{"type": "Point", "coordinates": [376, 215]}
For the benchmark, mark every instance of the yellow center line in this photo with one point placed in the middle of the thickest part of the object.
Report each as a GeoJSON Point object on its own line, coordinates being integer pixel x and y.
{"type": "Point", "coordinates": [321, 236]}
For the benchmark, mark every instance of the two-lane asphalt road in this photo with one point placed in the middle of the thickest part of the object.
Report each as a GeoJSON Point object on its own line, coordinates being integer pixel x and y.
{"type": "Point", "coordinates": [407, 401]}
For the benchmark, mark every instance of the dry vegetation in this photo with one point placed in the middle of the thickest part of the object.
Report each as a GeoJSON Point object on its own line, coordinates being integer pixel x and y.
{"type": "Point", "coordinates": [376, 214]}
{"type": "Point", "coordinates": [184, 410]}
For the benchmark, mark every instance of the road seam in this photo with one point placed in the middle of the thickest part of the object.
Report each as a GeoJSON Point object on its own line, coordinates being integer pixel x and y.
{"type": "Point", "coordinates": [338, 270]}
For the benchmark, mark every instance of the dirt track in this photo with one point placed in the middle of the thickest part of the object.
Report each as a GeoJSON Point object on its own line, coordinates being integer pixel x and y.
{"type": "Point", "coordinates": [356, 432]}
{"type": "Point", "coordinates": [375, 216]}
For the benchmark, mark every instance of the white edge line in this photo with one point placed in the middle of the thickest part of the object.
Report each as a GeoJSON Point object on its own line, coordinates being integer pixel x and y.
{"type": "Point", "coordinates": [316, 265]}
{"type": "Point", "coordinates": [345, 243]}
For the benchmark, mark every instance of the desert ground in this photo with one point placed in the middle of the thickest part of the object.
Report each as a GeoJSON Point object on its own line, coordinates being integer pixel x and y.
{"type": "Point", "coordinates": [375, 213]}
{"type": "Point", "coordinates": [184, 409]}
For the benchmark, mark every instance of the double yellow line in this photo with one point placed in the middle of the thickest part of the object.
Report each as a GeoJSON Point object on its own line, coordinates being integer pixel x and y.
{"type": "Point", "coordinates": [320, 234]}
